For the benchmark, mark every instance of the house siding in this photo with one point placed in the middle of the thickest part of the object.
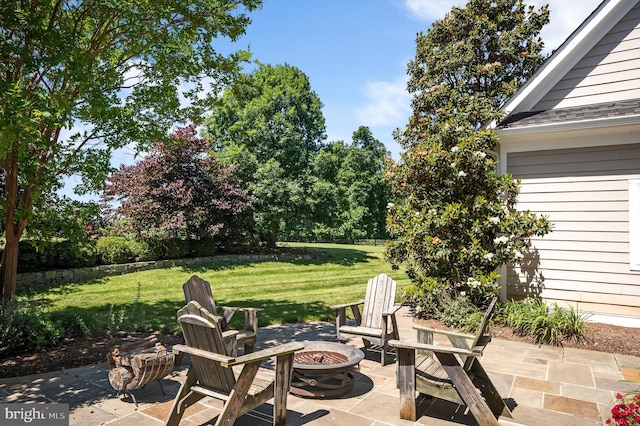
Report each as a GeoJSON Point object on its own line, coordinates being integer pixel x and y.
{"type": "Point", "coordinates": [608, 73]}
{"type": "Point", "coordinates": [584, 261]}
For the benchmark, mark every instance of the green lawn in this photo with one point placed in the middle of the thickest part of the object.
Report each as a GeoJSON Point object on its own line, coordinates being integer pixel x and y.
{"type": "Point", "coordinates": [288, 291]}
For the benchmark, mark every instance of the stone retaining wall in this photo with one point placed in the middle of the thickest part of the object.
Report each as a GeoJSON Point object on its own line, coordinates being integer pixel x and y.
{"type": "Point", "coordinates": [65, 276]}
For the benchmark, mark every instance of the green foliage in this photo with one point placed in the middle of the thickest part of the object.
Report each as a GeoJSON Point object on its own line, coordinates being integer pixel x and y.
{"type": "Point", "coordinates": [72, 254]}
{"type": "Point", "coordinates": [461, 312]}
{"type": "Point", "coordinates": [269, 124]}
{"type": "Point", "coordinates": [76, 325]}
{"type": "Point", "coordinates": [27, 329]}
{"type": "Point", "coordinates": [64, 254]}
{"type": "Point", "coordinates": [39, 256]}
{"type": "Point", "coordinates": [125, 318]}
{"type": "Point", "coordinates": [118, 72]}
{"type": "Point", "coordinates": [349, 194]}
{"type": "Point", "coordinates": [204, 247]}
{"type": "Point", "coordinates": [176, 248]}
{"type": "Point", "coordinates": [455, 221]}
{"type": "Point", "coordinates": [549, 325]}
{"type": "Point", "coordinates": [113, 250]}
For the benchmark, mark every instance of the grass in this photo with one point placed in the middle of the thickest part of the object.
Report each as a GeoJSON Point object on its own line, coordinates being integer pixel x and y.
{"type": "Point", "coordinates": [288, 291]}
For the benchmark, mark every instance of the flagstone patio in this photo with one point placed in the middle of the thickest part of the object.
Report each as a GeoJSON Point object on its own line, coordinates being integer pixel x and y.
{"type": "Point", "coordinates": [542, 385]}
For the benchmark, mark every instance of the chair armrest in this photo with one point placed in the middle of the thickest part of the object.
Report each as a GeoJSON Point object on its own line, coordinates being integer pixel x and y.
{"type": "Point", "coordinates": [392, 310]}
{"type": "Point", "coordinates": [346, 305]}
{"type": "Point", "coordinates": [239, 309]}
{"type": "Point", "coordinates": [443, 332]}
{"type": "Point", "coordinates": [177, 349]}
{"type": "Point", "coordinates": [227, 361]}
{"type": "Point", "coordinates": [435, 348]}
{"type": "Point", "coordinates": [229, 334]}
{"type": "Point", "coordinates": [263, 354]}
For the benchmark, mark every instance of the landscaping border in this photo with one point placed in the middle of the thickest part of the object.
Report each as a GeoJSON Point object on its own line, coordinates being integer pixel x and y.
{"type": "Point", "coordinates": [66, 276]}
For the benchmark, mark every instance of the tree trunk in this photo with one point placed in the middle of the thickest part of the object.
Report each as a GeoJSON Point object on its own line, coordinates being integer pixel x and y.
{"type": "Point", "coordinates": [9, 267]}
{"type": "Point", "coordinates": [270, 239]}
{"type": "Point", "coordinates": [19, 205]}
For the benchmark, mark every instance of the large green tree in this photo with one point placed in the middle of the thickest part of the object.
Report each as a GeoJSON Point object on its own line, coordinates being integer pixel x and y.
{"type": "Point", "coordinates": [455, 222]}
{"type": "Point", "coordinates": [349, 193]}
{"type": "Point", "coordinates": [269, 123]}
{"type": "Point", "coordinates": [114, 72]}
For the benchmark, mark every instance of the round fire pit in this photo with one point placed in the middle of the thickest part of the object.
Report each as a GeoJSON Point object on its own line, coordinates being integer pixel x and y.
{"type": "Point", "coordinates": [323, 369]}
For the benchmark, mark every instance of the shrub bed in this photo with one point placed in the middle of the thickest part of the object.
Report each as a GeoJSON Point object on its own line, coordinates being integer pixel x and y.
{"type": "Point", "coordinates": [109, 250]}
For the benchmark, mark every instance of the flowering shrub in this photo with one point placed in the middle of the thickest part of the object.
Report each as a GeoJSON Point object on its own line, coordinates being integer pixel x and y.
{"type": "Point", "coordinates": [455, 220]}
{"type": "Point", "coordinates": [627, 411]}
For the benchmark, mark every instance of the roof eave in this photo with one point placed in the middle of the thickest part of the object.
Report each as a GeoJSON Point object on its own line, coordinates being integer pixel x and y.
{"type": "Point", "coordinates": [569, 126]}
{"type": "Point", "coordinates": [608, 13]}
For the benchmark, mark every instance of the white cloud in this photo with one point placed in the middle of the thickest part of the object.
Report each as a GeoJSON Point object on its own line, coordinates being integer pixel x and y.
{"type": "Point", "coordinates": [565, 16]}
{"type": "Point", "coordinates": [389, 102]}
{"type": "Point", "coordinates": [429, 10]}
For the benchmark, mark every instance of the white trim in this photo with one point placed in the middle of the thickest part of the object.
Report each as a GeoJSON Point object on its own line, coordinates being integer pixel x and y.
{"type": "Point", "coordinates": [570, 125]}
{"type": "Point", "coordinates": [587, 137]}
{"type": "Point", "coordinates": [614, 319]}
{"type": "Point", "coordinates": [634, 224]}
{"type": "Point", "coordinates": [606, 15]}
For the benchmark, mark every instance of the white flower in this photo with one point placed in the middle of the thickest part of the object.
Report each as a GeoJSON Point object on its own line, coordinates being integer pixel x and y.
{"type": "Point", "coordinates": [461, 173]}
{"type": "Point", "coordinates": [472, 282]}
{"type": "Point", "coordinates": [453, 165]}
{"type": "Point", "coordinates": [480, 154]}
{"type": "Point", "coordinates": [463, 293]}
{"type": "Point", "coordinates": [501, 240]}
{"type": "Point", "coordinates": [495, 220]}
{"type": "Point", "coordinates": [518, 255]}
{"type": "Point", "coordinates": [390, 205]}
{"type": "Point", "coordinates": [432, 212]}
{"type": "Point", "coordinates": [488, 256]}
{"type": "Point", "coordinates": [455, 149]}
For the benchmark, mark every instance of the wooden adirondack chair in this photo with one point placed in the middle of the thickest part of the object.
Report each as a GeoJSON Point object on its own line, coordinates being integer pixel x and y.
{"type": "Point", "coordinates": [377, 324]}
{"type": "Point", "coordinates": [450, 373]}
{"type": "Point", "coordinates": [211, 373]}
{"type": "Point", "coordinates": [200, 290]}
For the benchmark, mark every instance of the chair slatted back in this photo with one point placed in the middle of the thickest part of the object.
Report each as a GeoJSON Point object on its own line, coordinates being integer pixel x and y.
{"type": "Point", "coordinates": [202, 330]}
{"type": "Point", "coordinates": [482, 338]}
{"type": "Point", "coordinates": [200, 290]}
{"type": "Point", "coordinates": [380, 297]}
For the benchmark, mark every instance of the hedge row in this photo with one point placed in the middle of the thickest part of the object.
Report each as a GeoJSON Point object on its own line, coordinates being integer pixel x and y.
{"type": "Point", "coordinates": [107, 251]}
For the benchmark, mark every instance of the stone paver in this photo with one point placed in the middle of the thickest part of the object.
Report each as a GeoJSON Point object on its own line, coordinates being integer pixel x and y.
{"type": "Point", "coordinates": [543, 385]}
{"type": "Point", "coordinates": [571, 406]}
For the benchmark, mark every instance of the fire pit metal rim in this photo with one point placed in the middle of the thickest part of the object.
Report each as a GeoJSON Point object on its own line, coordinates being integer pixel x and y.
{"type": "Point", "coordinates": [353, 354]}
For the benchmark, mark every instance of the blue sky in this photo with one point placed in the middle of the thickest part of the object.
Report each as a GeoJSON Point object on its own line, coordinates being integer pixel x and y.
{"type": "Point", "coordinates": [355, 53]}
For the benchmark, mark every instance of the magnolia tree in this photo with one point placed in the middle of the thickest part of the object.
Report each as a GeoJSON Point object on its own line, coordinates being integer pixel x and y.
{"type": "Point", "coordinates": [455, 221]}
